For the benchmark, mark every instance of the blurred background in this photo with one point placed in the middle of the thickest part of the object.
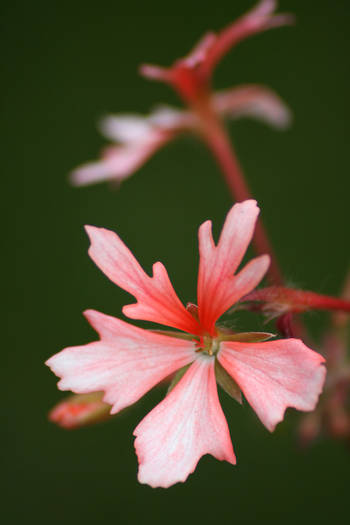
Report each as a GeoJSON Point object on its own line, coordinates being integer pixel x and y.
{"type": "Point", "coordinates": [68, 64]}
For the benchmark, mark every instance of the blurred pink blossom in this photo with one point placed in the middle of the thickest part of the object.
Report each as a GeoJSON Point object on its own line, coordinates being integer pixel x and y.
{"type": "Point", "coordinates": [191, 76]}
{"type": "Point", "coordinates": [138, 137]}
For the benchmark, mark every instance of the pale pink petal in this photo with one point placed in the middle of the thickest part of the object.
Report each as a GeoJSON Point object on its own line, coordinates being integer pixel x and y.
{"type": "Point", "coordinates": [171, 119]}
{"type": "Point", "coordinates": [156, 298]}
{"type": "Point", "coordinates": [275, 375]}
{"type": "Point", "coordinates": [253, 101]}
{"type": "Point", "coordinates": [259, 19]}
{"type": "Point", "coordinates": [126, 128]}
{"type": "Point", "coordinates": [125, 364]}
{"type": "Point", "coordinates": [189, 423]}
{"type": "Point", "coordinates": [163, 122]}
{"type": "Point", "coordinates": [200, 51]}
{"type": "Point", "coordinates": [120, 162]}
{"type": "Point", "coordinates": [155, 72]}
{"type": "Point", "coordinates": [218, 288]}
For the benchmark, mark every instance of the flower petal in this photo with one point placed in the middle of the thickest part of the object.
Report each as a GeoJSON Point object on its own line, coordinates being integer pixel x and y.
{"type": "Point", "coordinates": [119, 162]}
{"type": "Point", "coordinates": [125, 128]}
{"type": "Point", "coordinates": [200, 50]}
{"type": "Point", "coordinates": [218, 288]}
{"type": "Point", "coordinates": [156, 298]}
{"type": "Point", "coordinates": [275, 375]}
{"type": "Point", "coordinates": [160, 125]}
{"type": "Point", "coordinates": [258, 19]}
{"type": "Point", "coordinates": [154, 72]}
{"type": "Point", "coordinates": [125, 364]}
{"type": "Point", "coordinates": [172, 119]}
{"type": "Point", "coordinates": [139, 137]}
{"type": "Point", "coordinates": [253, 101]}
{"type": "Point", "coordinates": [187, 424]}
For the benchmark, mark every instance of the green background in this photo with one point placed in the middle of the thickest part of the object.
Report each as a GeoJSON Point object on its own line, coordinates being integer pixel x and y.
{"type": "Point", "coordinates": [67, 64]}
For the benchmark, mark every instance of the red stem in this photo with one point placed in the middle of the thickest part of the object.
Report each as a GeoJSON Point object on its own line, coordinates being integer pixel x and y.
{"type": "Point", "coordinates": [298, 300]}
{"type": "Point", "coordinates": [218, 142]}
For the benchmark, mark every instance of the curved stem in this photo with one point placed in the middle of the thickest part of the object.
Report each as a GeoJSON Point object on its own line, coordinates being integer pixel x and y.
{"type": "Point", "coordinates": [218, 142]}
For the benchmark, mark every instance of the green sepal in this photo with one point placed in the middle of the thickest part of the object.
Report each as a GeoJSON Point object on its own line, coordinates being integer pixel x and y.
{"type": "Point", "coordinates": [245, 337]}
{"type": "Point", "coordinates": [179, 374]}
{"type": "Point", "coordinates": [227, 383]}
{"type": "Point", "coordinates": [177, 335]}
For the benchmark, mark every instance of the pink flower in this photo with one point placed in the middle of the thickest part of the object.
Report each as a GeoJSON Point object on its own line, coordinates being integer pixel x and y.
{"type": "Point", "coordinates": [191, 76]}
{"type": "Point", "coordinates": [139, 137]}
{"type": "Point", "coordinates": [127, 361]}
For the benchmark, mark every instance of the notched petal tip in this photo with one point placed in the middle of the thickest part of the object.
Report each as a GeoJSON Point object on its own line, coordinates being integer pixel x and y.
{"type": "Point", "coordinates": [275, 375]}
{"type": "Point", "coordinates": [186, 425]}
{"type": "Point", "coordinates": [154, 72]}
{"type": "Point", "coordinates": [92, 232]}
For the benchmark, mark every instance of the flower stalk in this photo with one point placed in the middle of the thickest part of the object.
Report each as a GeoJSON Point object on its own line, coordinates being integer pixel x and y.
{"type": "Point", "coordinates": [280, 300]}
{"type": "Point", "coordinates": [218, 142]}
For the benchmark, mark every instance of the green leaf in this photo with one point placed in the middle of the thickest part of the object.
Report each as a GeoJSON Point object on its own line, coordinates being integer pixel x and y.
{"type": "Point", "coordinates": [227, 383]}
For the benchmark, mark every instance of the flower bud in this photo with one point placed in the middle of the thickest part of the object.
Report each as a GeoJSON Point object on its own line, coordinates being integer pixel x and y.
{"type": "Point", "coordinates": [80, 410]}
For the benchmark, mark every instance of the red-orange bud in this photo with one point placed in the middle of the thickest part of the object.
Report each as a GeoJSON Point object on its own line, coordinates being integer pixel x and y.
{"type": "Point", "coordinates": [80, 410]}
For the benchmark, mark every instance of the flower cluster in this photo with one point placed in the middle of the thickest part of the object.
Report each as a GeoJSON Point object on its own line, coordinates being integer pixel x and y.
{"type": "Point", "coordinates": [195, 350]}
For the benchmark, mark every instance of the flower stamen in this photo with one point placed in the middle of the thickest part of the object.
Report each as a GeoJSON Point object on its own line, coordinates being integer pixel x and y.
{"type": "Point", "coordinates": [209, 345]}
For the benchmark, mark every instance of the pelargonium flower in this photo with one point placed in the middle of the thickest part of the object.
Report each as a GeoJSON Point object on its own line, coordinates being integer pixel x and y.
{"type": "Point", "coordinates": [191, 76]}
{"type": "Point", "coordinates": [139, 137]}
{"type": "Point", "coordinates": [127, 361]}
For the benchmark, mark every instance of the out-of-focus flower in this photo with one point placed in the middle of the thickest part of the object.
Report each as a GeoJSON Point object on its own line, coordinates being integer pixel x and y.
{"type": "Point", "coordinates": [80, 410]}
{"type": "Point", "coordinates": [191, 76]}
{"type": "Point", "coordinates": [128, 361]}
{"type": "Point", "coordinates": [332, 415]}
{"type": "Point", "coordinates": [139, 137]}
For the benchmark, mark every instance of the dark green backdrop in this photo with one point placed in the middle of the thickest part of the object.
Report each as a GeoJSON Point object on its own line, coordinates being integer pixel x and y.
{"type": "Point", "coordinates": [65, 66]}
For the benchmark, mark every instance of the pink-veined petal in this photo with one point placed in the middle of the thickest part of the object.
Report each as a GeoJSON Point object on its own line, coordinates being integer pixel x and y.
{"type": "Point", "coordinates": [156, 298]}
{"type": "Point", "coordinates": [120, 161]}
{"type": "Point", "coordinates": [218, 288]}
{"type": "Point", "coordinates": [200, 50]}
{"type": "Point", "coordinates": [253, 101]}
{"type": "Point", "coordinates": [154, 72]}
{"type": "Point", "coordinates": [168, 118]}
{"type": "Point", "coordinates": [126, 128]}
{"type": "Point", "coordinates": [274, 375]}
{"type": "Point", "coordinates": [126, 362]}
{"type": "Point", "coordinates": [161, 124]}
{"type": "Point", "coordinates": [258, 19]}
{"type": "Point", "coordinates": [187, 424]}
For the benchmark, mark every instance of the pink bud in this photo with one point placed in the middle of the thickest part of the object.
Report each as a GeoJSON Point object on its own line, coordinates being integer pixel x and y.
{"type": "Point", "coordinates": [80, 410]}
